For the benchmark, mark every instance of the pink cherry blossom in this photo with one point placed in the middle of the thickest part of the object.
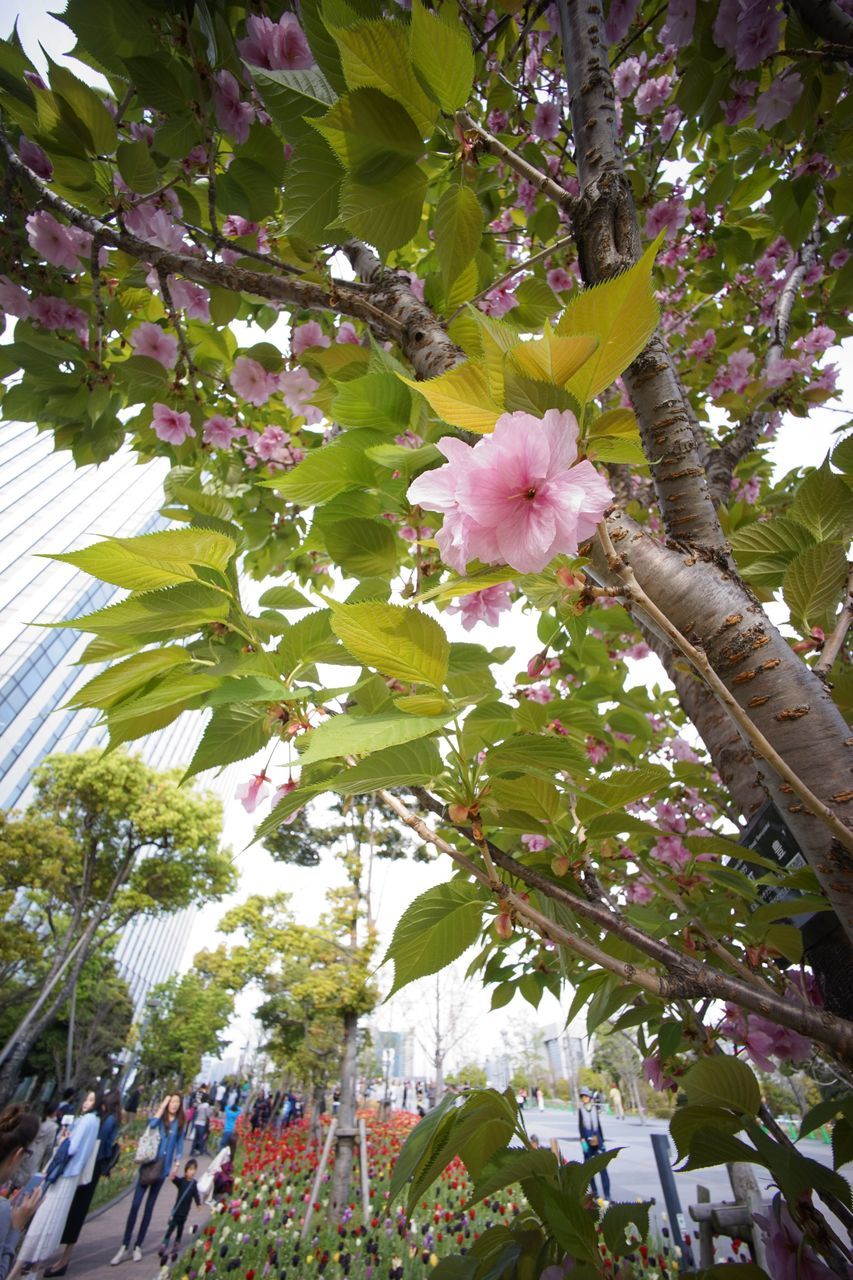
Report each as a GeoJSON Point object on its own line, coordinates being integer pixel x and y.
{"type": "Point", "coordinates": [233, 116]}
{"type": "Point", "coordinates": [252, 382]}
{"type": "Point", "coordinates": [681, 749]}
{"type": "Point", "coordinates": [626, 76]}
{"type": "Point", "coordinates": [596, 750]}
{"type": "Point", "coordinates": [702, 347]}
{"type": "Point", "coordinates": [678, 28]}
{"type": "Point", "coordinates": [53, 241]}
{"type": "Point", "coordinates": [271, 443]}
{"type": "Point", "coordinates": [251, 793]}
{"type": "Point", "coordinates": [739, 106]}
{"type": "Point", "coordinates": [777, 102]}
{"type": "Point", "coordinates": [526, 196]}
{"type": "Point", "coordinates": [559, 279]}
{"type": "Point", "coordinates": [816, 341]}
{"type": "Point", "coordinates": [416, 284]}
{"type": "Point", "coordinates": [619, 17]}
{"type": "Point", "coordinates": [499, 301]}
{"type": "Point", "coordinates": [497, 121]}
{"type": "Point", "coordinates": [652, 94]}
{"type": "Point", "coordinates": [539, 693]}
{"type": "Point", "coordinates": [546, 121]}
{"type": "Point", "coordinates": [347, 334]}
{"type": "Point", "coordinates": [234, 226]}
{"type": "Point", "coordinates": [638, 651]}
{"type": "Point", "coordinates": [639, 891]}
{"type": "Point", "coordinates": [308, 335]}
{"type": "Point", "coordinates": [170, 425]}
{"type": "Point", "coordinates": [669, 214]}
{"type": "Point", "coordinates": [150, 340]}
{"type": "Point", "coordinates": [276, 46]}
{"type": "Point", "coordinates": [789, 1256]}
{"type": "Point", "coordinates": [191, 298]}
{"type": "Point", "coordinates": [734, 376]}
{"type": "Point", "coordinates": [155, 225]}
{"type": "Point", "coordinates": [536, 843]}
{"type": "Point", "coordinates": [514, 498]}
{"type": "Point", "coordinates": [779, 370]}
{"type": "Point", "coordinates": [654, 1074]}
{"type": "Point", "coordinates": [839, 258]}
{"type": "Point", "coordinates": [14, 301]}
{"type": "Point", "coordinates": [542, 666]}
{"type": "Point", "coordinates": [827, 380]}
{"type": "Point", "coordinates": [220, 431]}
{"type": "Point", "coordinates": [34, 158]}
{"type": "Point", "coordinates": [671, 119]}
{"type": "Point", "coordinates": [671, 852]}
{"type": "Point", "coordinates": [484, 606]}
{"type": "Point", "coordinates": [297, 386]}
{"type": "Point", "coordinates": [56, 313]}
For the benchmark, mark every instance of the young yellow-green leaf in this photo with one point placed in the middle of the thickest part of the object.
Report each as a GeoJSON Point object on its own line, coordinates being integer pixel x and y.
{"type": "Point", "coordinates": [765, 549]}
{"type": "Point", "coordinates": [423, 704]}
{"type": "Point", "coordinates": [823, 505]}
{"type": "Point", "coordinates": [402, 643]}
{"type": "Point", "coordinates": [365, 126]}
{"type": "Point", "coordinates": [434, 930]}
{"type": "Point", "coordinates": [551, 358]}
{"type": "Point", "coordinates": [155, 559]}
{"type": "Point", "coordinates": [460, 397]}
{"type": "Point", "coordinates": [362, 548]}
{"type": "Point", "coordinates": [376, 400]}
{"type": "Point", "coordinates": [622, 313]}
{"type": "Point", "coordinates": [150, 615]}
{"type": "Point", "coordinates": [361, 735]}
{"type": "Point", "coordinates": [442, 54]}
{"type": "Point", "coordinates": [126, 678]}
{"type": "Point", "coordinates": [136, 166]}
{"type": "Point", "coordinates": [409, 763]}
{"type": "Point", "coordinates": [232, 733]}
{"type": "Point", "coordinates": [615, 437]}
{"type": "Point", "coordinates": [385, 214]}
{"type": "Point", "coordinates": [83, 110]}
{"type": "Point", "coordinates": [458, 231]}
{"type": "Point", "coordinates": [457, 587]}
{"type": "Point", "coordinates": [813, 585]}
{"type": "Point", "coordinates": [324, 473]}
{"type": "Point", "coordinates": [375, 55]}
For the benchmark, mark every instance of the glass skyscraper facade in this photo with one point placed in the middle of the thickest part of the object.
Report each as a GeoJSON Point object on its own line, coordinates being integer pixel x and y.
{"type": "Point", "coordinates": [47, 505]}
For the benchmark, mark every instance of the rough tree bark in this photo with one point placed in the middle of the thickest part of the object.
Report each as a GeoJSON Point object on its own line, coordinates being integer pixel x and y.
{"type": "Point", "coordinates": [346, 1135]}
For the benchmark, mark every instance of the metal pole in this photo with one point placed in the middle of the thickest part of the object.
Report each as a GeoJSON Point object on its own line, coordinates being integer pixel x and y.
{"type": "Point", "coordinates": [365, 1178]}
{"type": "Point", "coordinates": [660, 1146]}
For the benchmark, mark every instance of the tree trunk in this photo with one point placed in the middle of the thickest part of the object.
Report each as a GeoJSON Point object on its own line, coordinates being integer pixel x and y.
{"type": "Point", "coordinates": [346, 1135]}
{"type": "Point", "coordinates": [12, 1067]}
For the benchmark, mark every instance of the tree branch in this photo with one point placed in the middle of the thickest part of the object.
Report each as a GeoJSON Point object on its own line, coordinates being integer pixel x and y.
{"type": "Point", "coordinates": [541, 181]}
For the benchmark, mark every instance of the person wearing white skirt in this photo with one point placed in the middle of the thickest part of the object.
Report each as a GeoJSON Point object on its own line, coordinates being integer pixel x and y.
{"type": "Point", "coordinates": [42, 1241]}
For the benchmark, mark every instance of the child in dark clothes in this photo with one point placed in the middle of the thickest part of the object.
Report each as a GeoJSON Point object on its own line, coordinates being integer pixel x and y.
{"type": "Point", "coordinates": [187, 1193]}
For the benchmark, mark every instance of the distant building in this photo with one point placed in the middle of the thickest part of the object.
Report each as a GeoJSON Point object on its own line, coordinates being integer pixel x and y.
{"type": "Point", "coordinates": [47, 505]}
{"type": "Point", "coordinates": [568, 1049]}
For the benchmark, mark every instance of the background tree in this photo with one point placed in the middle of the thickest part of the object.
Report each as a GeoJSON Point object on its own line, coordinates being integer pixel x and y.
{"type": "Point", "coordinates": [122, 841]}
{"type": "Point", "coordinates": [189, 1013]}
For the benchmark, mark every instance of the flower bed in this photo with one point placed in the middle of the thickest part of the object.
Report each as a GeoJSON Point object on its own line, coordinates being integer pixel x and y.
{"type": "Point", "coordinates": [256, 1233]}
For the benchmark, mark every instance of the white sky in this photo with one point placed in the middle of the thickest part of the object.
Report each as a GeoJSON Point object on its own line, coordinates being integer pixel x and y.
{"type": "Point", "coordinates": [799, 443]}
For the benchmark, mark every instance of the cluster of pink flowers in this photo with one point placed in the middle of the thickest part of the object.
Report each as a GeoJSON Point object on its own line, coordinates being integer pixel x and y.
{"type": "Point", "coordinates": [483, 606]}
{"type": "Point", "coordinates": [276, 46]}
{"type": "Point", "coordinates": [48, 311]}
{"type": "Point", "coordinates": [234, 116]}
{"type": "Point", "coordinates": [764, 1040]}
{"type": "Point", "coordinates": [515, 497]}
{"type": "Point", "coordinates": [535, 843]}
{"type": "Point", "coordinates": [59, 245]}
{"type": "Point", "coordinates": [171, 425]}
{"type": "Point", "coordinates": [499, 301]}
{"type": "Point", "coordinates": [652, 94]}
{"type": "Point", "coordinates": [734, 375]}
{"type": "Point", "coordinates": [778, 101]}
{"type": "Point", "coordinates": [748, 30]}
{"type": "Point", "coordinates": [308, 335]}
{"type": "Point", "coordinates": [596, 750]}
{"type": "Point", "coordinates": [671, 852]}
{"type": "Point", "coordinates": [559, 279]}
{"type": "Point", "coordinates": [546, 121]}
{"type": "Point", "coordinates": [148, 339]}
{"type": "Point", "coordinates": [252, 382]}
{"type": "Point", "coordinates": [157, 223]}
{"type": "Point", "coordinates": [669, 214]}
{"type": "Point", "coordinates": [702, 347]}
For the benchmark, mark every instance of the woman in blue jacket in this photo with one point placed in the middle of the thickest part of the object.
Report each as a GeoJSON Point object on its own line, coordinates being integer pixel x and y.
{"type": "Point", "coordinates": [110, 1116]}
{"type": "Point", "coordinates": [170, 1121]}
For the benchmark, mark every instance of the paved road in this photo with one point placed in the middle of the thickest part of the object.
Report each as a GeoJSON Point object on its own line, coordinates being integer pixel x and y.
{"type": "Point", "coordinates": [634, 1175]}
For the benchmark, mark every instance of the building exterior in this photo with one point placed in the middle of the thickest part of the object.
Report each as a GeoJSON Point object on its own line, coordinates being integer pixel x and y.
{"type": "Point", "coordinates": [48, 506]}
{"type": "Point", "coordinates": [567, 1049]}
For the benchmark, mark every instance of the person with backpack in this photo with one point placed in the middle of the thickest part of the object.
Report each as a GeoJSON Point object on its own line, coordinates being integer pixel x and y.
{"type": "Point", "coordinates": [187, 1193]}
{"type": "Point", "coordinates": [108, 1153]}
{"type": "Point", "coordinates": [158, 1154]}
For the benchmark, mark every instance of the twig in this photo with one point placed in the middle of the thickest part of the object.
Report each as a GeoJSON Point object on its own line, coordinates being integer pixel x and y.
{"type": "Point", "coordinates": [508, 275]}
{"type": "Point", "coordinates": [835, 640]}
{"type": "Point", "coordinates": [174, 320]}
{"type": "Point", "coordinates": [97, 296]}
{"type": "Point", "coordinates": [541, 181]}
{"type": "Point", "coordinates": [699, 660]}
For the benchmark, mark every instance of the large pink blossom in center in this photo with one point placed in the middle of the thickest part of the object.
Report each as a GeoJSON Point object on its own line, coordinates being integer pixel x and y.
{"type": "Point", "coordinates": [515, 497]}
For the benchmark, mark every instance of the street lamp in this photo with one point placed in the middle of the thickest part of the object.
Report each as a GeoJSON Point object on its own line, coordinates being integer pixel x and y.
{"type": "Point", "coordinates": [387, 1058]}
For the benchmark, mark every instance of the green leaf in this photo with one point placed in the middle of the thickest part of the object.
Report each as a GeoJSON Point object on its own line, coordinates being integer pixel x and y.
{"type": "Point", "coordinates": [814, 583]}
{"type": "Point", "coordinates": [509, 1167]}
{"type": "Point", "coordinates": [370, 133]}
{"type": "Point", "coordinates": [128, 677]}
{"type": "Point", "coordinates": [710, 1147]}
{"type": "Point", "coordinates": [385, 214]}
{"type": "Point", "coordinates": [823, 505]}
{"type": "Point", "coordinates": [765, 548]}
{"type": "Point", "coordinates": [168, 611]}
{"type": "Point", "coordinates": [311, 189]}
{"type": "Point", "coordinates": [458, 230]}
{"type": "Point", "coordinates": [686, 1120]}
{"type": "Point", "coordinates": [823, 1111]}
{"type": "Point", "coordinates": [160, 83]}
{"type": "Point", "coordinates": [310, 640]}
{"type": "Point", "coordinates": [721, 1081]}
{"type": "Point", "coordinates": [284, 598]}
{"type": "Point", "coordinates": [434, 930]}
{"type": "Point", "coordinates": [425, 1136]}
{"type": "Point", "coordinates": [155, 559]}
{"type": "Point", "coordinates": [233, 733]}
{"type": "Point", "coordinates": [407, 764]}
{"type": "Point", "coordinates": [82, 109]}
{"type": "Point", "coordinates": [622, 313]}
{"type": "Point", "coordinates": [572, 1226]}
{"type": "Point", "coordinates": [137, 167]}
{"type": "Point", "coordinates": [362, 548]}
{"type": "Point", "coordinates": [375, 55]}
{"type": "Point", "coordinates": [616, 1222]}
{"type": "Point", "coordinates": [551, 358]}
{"type": "Point", "coordinates": [542, 755]}
{"type": "Point", "coordinates": [842, 1142]}
{"type": "Point", "coordinates": [361, 735]}
{"type": "Point", "coordinates": [377, 400]}
{"type": "Point", "coordinates": [615, 437]}
{"type": "Point", "coordinates": [460, 397]}
{"type": "Point", "coordinates": [400, 642]}
{"type": "Point", "coordinates": [527, 795]}
{"type": "Point", "coordinates": [621, 788]}
{"type": "Point", "coordinates": [326, 472]}
{"type": "Point", "coordinates": [443, 57]}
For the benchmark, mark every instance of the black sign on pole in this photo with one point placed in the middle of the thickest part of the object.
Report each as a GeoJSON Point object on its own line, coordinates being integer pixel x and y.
{"type": "Point", "coordinates": [677, 1225]}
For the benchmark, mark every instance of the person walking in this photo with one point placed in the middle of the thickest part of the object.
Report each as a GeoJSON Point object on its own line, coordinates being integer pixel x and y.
{"type": "Point", "coordinates": [231, 1115]}
{"type": "Point", "coordinates": [187, 1193]}
{"type": "Point", "coordinates": [540, 1097]}
{"type": "Point", "coordinates": [72, 1164]}
{"type": "Point", "coordinates": [592, 1138]}
{"type": "Point", "coordinates": [110, 1122]}
{"type": "Point", "coordinates": [18, 1130]}
{"type": "Point", "coordinates": [616, 1101]}
{"type": "Point", "coordinates": [201, 1126]}
{"type": "Point", "coordinates": [169, 1124]}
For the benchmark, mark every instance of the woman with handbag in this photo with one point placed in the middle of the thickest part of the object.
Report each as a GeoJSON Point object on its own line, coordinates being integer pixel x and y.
{"type": "Point", "coordinates": [110, 1120]}
{"type": "Point", "coordinates": [160, 1149]}
{"type": "Point", "coordinates": [62, 1177]}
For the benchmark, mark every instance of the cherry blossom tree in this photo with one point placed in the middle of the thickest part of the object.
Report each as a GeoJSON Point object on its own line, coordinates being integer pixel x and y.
{"type": "Point", "coordinates": [460, 309]}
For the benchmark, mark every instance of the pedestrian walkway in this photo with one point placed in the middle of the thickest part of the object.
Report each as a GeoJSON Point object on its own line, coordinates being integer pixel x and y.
{"type": "Point", "coordinates": [101, 1237]}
